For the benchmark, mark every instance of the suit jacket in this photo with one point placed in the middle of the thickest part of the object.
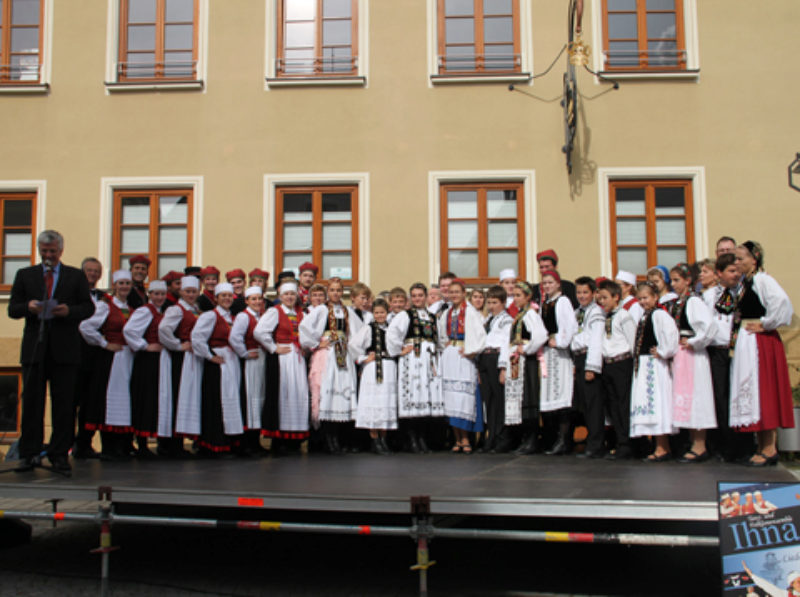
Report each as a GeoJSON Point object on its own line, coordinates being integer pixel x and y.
{"type": "Point", "coordinates": [63, 340]}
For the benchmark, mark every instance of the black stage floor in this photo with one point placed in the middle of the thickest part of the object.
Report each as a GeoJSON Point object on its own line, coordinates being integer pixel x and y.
{"type": "Point", "coordinates": [476, 485]}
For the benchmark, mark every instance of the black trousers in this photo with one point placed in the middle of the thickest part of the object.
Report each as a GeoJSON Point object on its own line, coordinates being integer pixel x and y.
{"type": "Point", "coordinates": [62, 401]}
{"type": "Point", "coordinates": [724, 440]}
{"type": "Point", "coordinates": [493, 395]}
{"type": "Point", "coordinates": [589, 399]}
{"type": "Point", "coordinates": [617, 379]}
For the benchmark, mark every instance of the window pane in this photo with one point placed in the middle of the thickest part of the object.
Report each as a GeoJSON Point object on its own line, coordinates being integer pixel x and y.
{"type": "Point", "coordinates": [462, 234]}
{"type": "Point", "coordinates": [17, 213]}
{"type": "Point", "coordinates": [336, 8]}
{"type": "Point", "coordinates": [631, 232]}
{"type": "Point", "coordinates": [498, 29]}
{"type": "Point", "coordinates": [336, 206]}
{"type": "Point", "coordinates": [621, 4]}
{"type": "Point", "coordinates": [17, 243]}
{"type": "Point", "coordinates": [502, 234]}
{"type": "Point", "coordinates": [336, 33]}
{"type": "Point", "coordinates": [299, 61]}
{"type": "Point", "coordinates": [172, 240]}
{"type": "Point", "coordinates": [669, 201]}
{"type": "Point", "coordinates": [25, 12]}
{"type": "Point", "coordinates": [141, 65]}
{"type": "Point", "coordinates": [661, 25]}
{"type": "Point", "coordinates": [622, 26]}
{"type": "Point", "coordinates": [297, 207]}
{"type": "Point", "coordinates": [499, 57]}
{"type": "Point", "coordinates": [135, 240]}
{"type": "Point", "coordinates": [632, 260]}
{"type": "Point", "coordinates": [623, 53]}
{"type": "Point", "coordinates": [141, 37]}
{"type": "Point", "coordinates": [663, 53]}
{"type": "Point", "coordinates": [178, 37]}
{"type": "Point", "coordinates": [460, 31]}
{"type": "Point", "coordinates": [500, 260]}
{"type": "Point", "coordinates": [300, 10]}
{"type": "Point", "coordinates": [336, 237]}
{"type": "Point", "coordinates": [670, 257]}
{"type": "Point", "coordinates": [180, 10]}
{"type": "Point", "coordinates": [629, 206]}
{"type": "Point", "coordinates": [460, 58]}
{"type": "Point", "coordinates": [169, 263]}
{"type": "Point", "coordinates": [337, 59]}
{"type": "Point", "coordinates": [25, 40]}
{"type": "Point", "coordinates": [25, 67]}
{"type": "Point", "coordinates": [136, 210]}
{"type": "Point", "coordinates": [463, 263]}
{"type": "Point", "coordinates": [462, 204]}
{"type": "Point", "coordinates": [299, 35]}
{"type": "Point", "coordinates": [337, 264]}
{"type": "Point", "coordinates": [501, 204]}
{"type": "Point", "coordinates": [141, 11]}
{"type": "Point", "coordinates": [458, 7]}
{"type": "Point", "coordinates": [497, 7]}
{"type": "Point", "coordinates": [295, 260]}
{"type": "Point", "coordinates": [670, 232]}
{"type": "Point", "coordinates": [173, 210]}
{"type": "Point", "coordinates": [297, 237]}
{"type": "Point", "coordinates": [660, 4]}
{"type": "Point", "coordinates": [10, 268]}
{"type": "Point", "coordinates": [178, 64]}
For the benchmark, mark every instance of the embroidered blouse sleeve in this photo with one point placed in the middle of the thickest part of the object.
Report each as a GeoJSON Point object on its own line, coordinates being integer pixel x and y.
{"type": "Point", "coordinates": [667, 336]}
{"type": "Point", "coordinates": [313, 326]}
{"type": "Point", "coordinates": [238, 332]}
{"type": "Point", "coordinates": [538, 332]}
{"type": "Point", "coordinates": [265, 328]}
{"type": "Point", "coordinates": [396, 333]}
{"type": "Point", "coordinates": [90, 328]}
{"type": "Point", "coordinates": [596, 327]}
{"type": "Point", "coordinates": [775, 301]}
{"type": "Point", "coordinates": [201, 332]}
{"type": "Point", "coordinates": [636, 312]}
{"type": "Point", "coordinates": [359, 342]}
{"type": "Point", "coordinates": [136, 327]}
{"type": "Point", "coordinates": [567, 324]}
{"type": "Point", "coordinates": [166, 329]}
{"type": "Point", "coordinates": [474, 332]}
{"type": "Point", "coordinates": [627, 326]}
{"type": "Point", "coordinates": [702, 321]}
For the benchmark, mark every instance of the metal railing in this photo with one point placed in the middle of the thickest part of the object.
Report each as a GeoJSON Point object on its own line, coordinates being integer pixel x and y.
{"type": "Point", "coordinates": [480, 63]}
{"type": "Point", "coordinates": [136, 71]}
{"type": "Point", "coordinates": [318, 66]}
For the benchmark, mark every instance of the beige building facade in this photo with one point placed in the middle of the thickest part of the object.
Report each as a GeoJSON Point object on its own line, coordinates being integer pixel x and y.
{"type": "Point", "coordinates": [380, 139]}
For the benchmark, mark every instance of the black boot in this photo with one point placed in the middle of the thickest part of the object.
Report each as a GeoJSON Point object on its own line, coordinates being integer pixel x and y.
{"type": "Point", "coordinates": [387, 450]}
{"type": "Point", "coordinates": [423, 446]}
{"type": "Point", "coordinates": [375, 445]}
{"type": "Point", "coordinates": [332, 443]}
{"type": "Point", "coordinates": [528, 446]}
{"type": "Point", "coordinates": [413, 442]}
{"type": "Point", "coordinates": [560, 447]}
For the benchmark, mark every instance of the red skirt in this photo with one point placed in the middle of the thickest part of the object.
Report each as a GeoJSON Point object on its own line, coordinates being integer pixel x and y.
{"type": "Point", "coordinates": [774, 388]}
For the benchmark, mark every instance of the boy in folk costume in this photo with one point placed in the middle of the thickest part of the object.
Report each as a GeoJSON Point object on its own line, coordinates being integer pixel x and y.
{"type": "Point", "coordinates": [285, 414]}
{"type": "Point", "coordinates": [587, 354]}
{"type": "Point", "coordinates": [360, 315]}
{"type": "Point", "coordinates": [618, 342]}
{"type": "Point", "coordinates": [179, 403]}
{"type": "Point", "coordinates": [173, 281]}
{"type": "Point", "coordinates": [412, 339]}
{"type": "Point", "coordinates": [141, 334]}
{"type": "Point", "coordinates": [221, 422]}
{"type": "Point", "coordinates": [497, 326]}
{"type": "Point", "coordinates": [398, 302]}
{"type": "Point", "coordinates": [461, 337]}
{"type": "Point", "coordinates": [236, 278]}
{"type": "Point", "coordinates": [307, 277]}
{"type": "Point", "coordinates": [627, 282]}
{"type": "Point", "coordinates": [252, 362]}
{"type": "Point", "coordinates": [207, 300]}
{"type": "Point", "coordinates": [258, 277]}
{"type": "Point", "coordinates": [139, 267]}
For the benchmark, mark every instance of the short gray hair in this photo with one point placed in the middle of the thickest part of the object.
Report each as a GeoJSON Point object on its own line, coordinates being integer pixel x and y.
{"type": "Point", "coordinates": [50, 236]}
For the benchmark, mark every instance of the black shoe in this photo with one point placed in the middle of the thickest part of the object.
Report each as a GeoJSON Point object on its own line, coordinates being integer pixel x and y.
{"type": "Point", "coordinates": [766, 460]}
{"type": "Point", "coordinates": [559, 448]}
{"type": "Point", "coordinates": [385, 445]}
{"type": "Point", "coordinates": [28, 464]}
{"type": "Point", "coordinates": [144, 453]}
{"type": "Point", "coordinates": [527, 447]}
{"type": "Point", "coordinates": [502, 446]}
{"type": "Point", "coordinates": [623, 453]}
{"type": "Point", "coordinates": [591, 454]}
{"type": "Point", "coordinates": [413, 443]}
{"type": "Point", "coordinates": [692, 456]}
{"type": "Point", "coordinates": [84, 452]}
{"type": "Point", "coordinates": [60, 464]}
{"type": "Point", "coordinates": [423, 446]}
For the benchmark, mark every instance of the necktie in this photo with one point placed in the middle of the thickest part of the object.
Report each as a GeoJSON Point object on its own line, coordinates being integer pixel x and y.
{"type": "Point", "coordinates": [48, 282]}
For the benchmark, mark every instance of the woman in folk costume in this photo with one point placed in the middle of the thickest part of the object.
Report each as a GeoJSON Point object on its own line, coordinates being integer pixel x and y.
{"type": "Point", "coordinates": [461, 336]}
{"type": "Point", "coordinates": [252, 356]}
{"type": "Point", "coordinates": [659, 275]}
{"type": "Point", "coordinates": [220, 414]}
{"type": "Point", "coordinates": [761, 395]}
{"type": "Point", "coordinates": [332, 378]}
{"type": "Point", "coordinates": [651, 397]}
{"type": "Point", "coordinates": [519, 369]}
{"type": "Point", "coordinates": [412, 338]}
{"type": "Point", "coordinates": [284, 416]}
{"type": "Point", "coordinates": [141, 334]}
{"type": "Point", "coordinates": [693, 393]}
{"type": "Point", "coordinates": [179, 402]}
{"type": "Point", "coordinates": [377, 394]}
{"type": "Point", "coordinates": [110, 406]}
{"type": "Point", "coordinates": [556, 387]}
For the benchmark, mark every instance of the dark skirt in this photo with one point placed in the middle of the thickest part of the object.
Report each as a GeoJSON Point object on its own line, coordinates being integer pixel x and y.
{"type": "Point", "coordinates": [98, 386]}
{"type": "Point", "coordinates": [212, 430]}
{"type": "Point", "coordinates": [530, 392]}
{"type": "Point", "coordinates": [144, 393]}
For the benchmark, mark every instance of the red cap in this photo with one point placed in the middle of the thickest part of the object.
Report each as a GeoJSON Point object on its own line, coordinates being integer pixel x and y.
{"type": "Point", "coordinates": [309, 267]}
{"type": "Point", "coordinates": [548, 254]}
{"type": "Point", "coordinates": [171, 276]}
{"type": "Point", "coordinates": [259, 273]}
{"type": "Point", "coordinates": [553, 274]}
{"type": "Point", "coordinates": [209, 270]}
{"type": "Point", "coordinates": [139, 259]}
{"type": "Point", "coordinates": [600, 280]}
{"type": "Point", "coordinates": [235, 273]}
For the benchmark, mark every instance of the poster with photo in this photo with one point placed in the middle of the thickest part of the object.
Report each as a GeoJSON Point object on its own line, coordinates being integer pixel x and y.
{"type": "Point", "coordinates": [760, 539]}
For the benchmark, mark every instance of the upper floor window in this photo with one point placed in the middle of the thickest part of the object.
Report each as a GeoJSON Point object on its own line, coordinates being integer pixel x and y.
{"type": "Point", "coordinates": [317, 38]}
{"type": "Point", "coordinates": [652, 223]}
{"type": "Point", "coordinates": [644, 35]}
{"type": "Point", "coordinates": [478, 37]}
{"type": "Point", "coordinates": [157, 40]}
{"type": "Point", "coordinates": [21, 41]}
{"type": "Point", "coordinates": [17, 214]}
{"type": "Point", "coordinates": [156, 223]}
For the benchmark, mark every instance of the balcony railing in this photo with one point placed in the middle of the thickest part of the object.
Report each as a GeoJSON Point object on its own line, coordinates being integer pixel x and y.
{"type": "Point", "coordinates": [160, 71]}
{"type": "Point", "coordinates": [314, 67]}
{"type": "Point", "coordinates": [20, 74]}
{"type": "Point", "coordinates": [480, 63]}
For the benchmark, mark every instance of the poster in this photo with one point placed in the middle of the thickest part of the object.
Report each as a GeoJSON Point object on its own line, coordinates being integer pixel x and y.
{"type": "Point", "coordinates": [760, 538]}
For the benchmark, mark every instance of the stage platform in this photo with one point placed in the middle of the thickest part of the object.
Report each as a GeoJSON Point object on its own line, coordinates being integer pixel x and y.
{"type": "Point", "coordinates": [474, 486]}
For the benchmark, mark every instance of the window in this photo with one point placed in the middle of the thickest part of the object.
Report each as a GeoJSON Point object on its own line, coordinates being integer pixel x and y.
{"type": "Point", "coordinates": [21, 41]}
{"type": "Point", "coordinates": [317, 38]}
{"type": "Point", "coordinates": [478, 37]}
{"type": "Point", "coordinates": [644, 35]}
{"type": "Point", "coordinates": [157, 40]}
{"type": "Point", "coordinates": [318, 224]}
{"type": "Point", "coordinates": [156, 223]}
{"type": "Point", "coordinates": [651, 223]}
{"type": "Point", "coordinates": [10, 400]}
{"type": "Point", "coordinates": [482, 229]}
{"type": "Point", "coordinates": [17, 212]}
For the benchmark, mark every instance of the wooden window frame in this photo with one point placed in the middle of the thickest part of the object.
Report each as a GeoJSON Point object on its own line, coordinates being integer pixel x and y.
{"type": "Point", "coordinates": [317, 250]}
{"type": "Point", "coordinates": [13, 435]}
{"type": "Point", "coordinates": [642, 39]}
{"type": "Point", "coordinates": [479, 43]}
{"type": "Point", "coordinates": [16, 196]}
{"type": "Point", "coordinates": [483, 228]}
{"type": "Point", "coordinates": [153, 226]}
{"type": "Point", "coordinates": [159, 65]}
{"type": "Point", "coordinates": [319, 60]}
{"type": "Point", "coordinates": [651, 218]}
{"type": "Point", "coordinates": [5, 45]}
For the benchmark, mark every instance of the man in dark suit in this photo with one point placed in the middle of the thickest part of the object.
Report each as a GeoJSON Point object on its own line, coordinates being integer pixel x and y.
{"type": "Point", "coordinates": [53, 298]}
{"type": "Point", "coordinates": [548, 262]}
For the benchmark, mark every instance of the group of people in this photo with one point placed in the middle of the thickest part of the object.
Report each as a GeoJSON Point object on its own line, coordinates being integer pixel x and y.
{"type": "Point", "coordinates": [513, 368]}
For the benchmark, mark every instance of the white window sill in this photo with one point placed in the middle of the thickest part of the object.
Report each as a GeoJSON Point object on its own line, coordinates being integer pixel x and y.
{"type": "Point", "coordinates": [154, 86]}
{"type": "Point", "coordinates": [38, 88]}
{"type": "Point", "coordinates": [476, 78]}
{"type": "Point", "coordinates": [677, 74]}
{"type": "Point", "coordinates": [316, 81]}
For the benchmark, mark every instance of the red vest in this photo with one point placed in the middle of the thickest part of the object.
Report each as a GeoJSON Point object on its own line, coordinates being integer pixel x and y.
{"type": "Point", "coordinates": [286, 330]}
{"type": "Point", "coordinates": [220, 333]}
{"type": "Point", "coordinates": [184, 329]}
{"type": "Point", "coordinates": [115, 321]}
{"type": "Point", "coordinates": [249, 340]}
{"type": "Point", "coordinates": [151, 333]}
{"type": "Point", "coordinates": [512, 309]}
{"type": "Point", "coordinates": [627, 306]}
